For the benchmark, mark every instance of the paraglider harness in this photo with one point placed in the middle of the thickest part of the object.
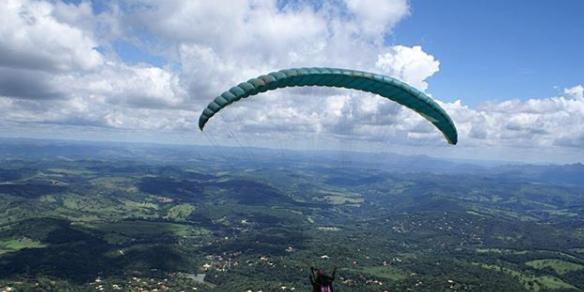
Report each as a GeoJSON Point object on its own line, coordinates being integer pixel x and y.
{"type": "Point", "coordinates": [320, 281]}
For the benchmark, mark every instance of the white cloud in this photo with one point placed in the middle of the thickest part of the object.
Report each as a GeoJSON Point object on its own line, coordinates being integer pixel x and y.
{"type": "Point", "coordinates": [32, 37]}
{"type": "Point", "coordinates": [575, 92]}
{"type": "Point", "coordinates": [137, 86]}
{"type": "Point", "coordinates": [547, 122]}
{"type": "Point", "coordinates": [51, 71]}
{"type": "Point", "coordinates": [410, 64]}
{"type": "Point", "coordinates": [376, 17]}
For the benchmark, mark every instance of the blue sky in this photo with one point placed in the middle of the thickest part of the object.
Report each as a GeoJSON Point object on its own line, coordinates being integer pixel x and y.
{"type": "Point", "coordinates": [498, 49]}
{"type": "Point", "coordinates": [509, 73]}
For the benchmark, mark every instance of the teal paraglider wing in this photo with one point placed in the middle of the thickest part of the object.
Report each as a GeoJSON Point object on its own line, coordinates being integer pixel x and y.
{"type": "Point", "coordinates": [385, 86]}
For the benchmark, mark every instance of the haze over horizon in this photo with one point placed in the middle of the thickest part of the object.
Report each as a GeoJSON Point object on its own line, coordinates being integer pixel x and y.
{"type": "Point", "coordinates": [142, 71]}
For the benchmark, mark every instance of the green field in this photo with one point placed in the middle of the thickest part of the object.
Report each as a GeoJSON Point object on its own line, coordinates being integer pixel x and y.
{"type": "Point", "coordinates": [531, 282]}
{"type": "Point", "coordinates": [180, 212]}
{"type": "Point", "coordinates": [147, 229]}
{"type": "Point", "coordinates": [559, 266]}
{"type": "Point", "coordinates": [383, 272]}
{"type": "Point", "coordinates": [12, 245]}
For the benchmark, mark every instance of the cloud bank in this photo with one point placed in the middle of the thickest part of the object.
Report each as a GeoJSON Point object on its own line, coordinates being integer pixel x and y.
{"type": "Point", "coordinates": [77, 65]}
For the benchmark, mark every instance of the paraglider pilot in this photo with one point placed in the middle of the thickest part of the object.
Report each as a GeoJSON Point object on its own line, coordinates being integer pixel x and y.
{"type": "Point", "coordinates": [320, 281]}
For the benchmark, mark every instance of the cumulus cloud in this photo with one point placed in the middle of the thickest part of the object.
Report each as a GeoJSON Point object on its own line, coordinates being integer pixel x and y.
{"type": "Point", "coordinates": [33, 38]}
{"type": "Point", "coordinates": [554, 121]}
{"type": "Point", "coordinates": [376, 17]}
{"type": "Point", "coordinates": [28, 84]}
{"type": "Point", "coordinates": [235, 40]}
{"type": "Point", "coordinates": [51, 70]}
{"type": "Point", "coordinates": [575, 92]}
{"type": "Point", "coordinates": [411, 64]}
{"type": "Point", "coordinates": [138, 86]}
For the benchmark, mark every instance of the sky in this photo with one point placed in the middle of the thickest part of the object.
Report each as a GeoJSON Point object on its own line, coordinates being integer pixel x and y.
{"type": "Point", "coordinates": [509, 73]}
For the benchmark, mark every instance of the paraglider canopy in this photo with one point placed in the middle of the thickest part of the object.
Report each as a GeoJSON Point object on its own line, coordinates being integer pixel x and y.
{"type": "Point", "coordinates": [385, 86]}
